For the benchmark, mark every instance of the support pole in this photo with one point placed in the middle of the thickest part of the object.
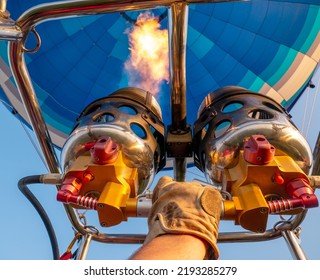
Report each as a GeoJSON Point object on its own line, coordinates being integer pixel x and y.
{"type": "Point", "coordinates": [178, 24]}
{"type": "Point", "coordinates": [293, 244]}
{"type": "Point", "coordinates": [84, 247]}
{"type": "Point", "coordinates": [316, 157]}
{"type": "Point", "coordinates": [28, 95]}
{"type": "Point", "coordinates": [3, 6]}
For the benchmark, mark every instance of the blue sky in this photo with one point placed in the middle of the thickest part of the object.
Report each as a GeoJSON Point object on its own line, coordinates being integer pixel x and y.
{"type": "Point", "coordinates": [23, 235]}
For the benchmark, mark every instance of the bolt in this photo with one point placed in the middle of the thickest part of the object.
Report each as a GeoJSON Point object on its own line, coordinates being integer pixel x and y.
{"type": "Point", "coordinates": [260, 230]}
{"type": "Point", "coordinates": [103, 224]}
{"type": "Point", "coordinates": [100, 205]}
{"type": "Point", "coordinates": [263, 210]}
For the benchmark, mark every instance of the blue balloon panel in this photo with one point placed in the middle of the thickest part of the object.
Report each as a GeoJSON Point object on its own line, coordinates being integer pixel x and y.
{"type": "Point", "coordinates": [271, 47]}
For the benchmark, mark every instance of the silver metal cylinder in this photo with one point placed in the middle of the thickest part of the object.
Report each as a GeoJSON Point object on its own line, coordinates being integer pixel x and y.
{"type": "Point", "coordinates": [231, 114]}
{"type": "Point", "coordinates": [132, 118]}
{"type": "Point", "coordinates": [143, 207]}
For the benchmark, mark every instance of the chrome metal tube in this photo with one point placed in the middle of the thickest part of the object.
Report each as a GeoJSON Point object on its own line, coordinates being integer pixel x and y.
{"type": "Point", "coordinates": [293, 244]}
{"type": "Point", "coordinates": [180, 169]}
{"type": "Point", "coordinates": [24, 84]}
{"type": "Point", "coordinates": [3, 6]}
{"type": "Point", "coordinates": [178, 25]}
{"type": "Point", "coordinates": [84, 247]}
{"type": "Point", "coordinates": [57, 10]}
{"type": "Point", "coordinates": [232, 237]}
{"type": "Point", "coordinates": [61, 9]}
{"type": "Point", "coordinates": [143, 206]}
{"type": "Point", "coordinates": [267, 235]}
{"type": "Point", "coordinates": [9, 31]}
{"type": "Point", "coordinates": [316, 157]}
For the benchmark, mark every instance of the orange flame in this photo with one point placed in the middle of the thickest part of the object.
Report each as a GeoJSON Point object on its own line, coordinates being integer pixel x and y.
{"type": "Point", "coordinates": [148, 63]}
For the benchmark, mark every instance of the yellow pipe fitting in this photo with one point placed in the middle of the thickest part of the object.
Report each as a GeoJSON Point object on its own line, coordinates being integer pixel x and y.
{"type": "Point", "coordinates": [251, 185]}
{"type": "Point", "coordinates": [251, 208]}
{"type": "Point", "coordinates": [131, 207]}
{"type": "Point", "coordinates": [229, 210]}
{"type": "Point", "coordinates": [115, 185]}
{"type": "Point", "coordinates": [111, 203]}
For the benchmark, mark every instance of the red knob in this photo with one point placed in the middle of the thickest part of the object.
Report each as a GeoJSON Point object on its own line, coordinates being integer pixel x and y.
{"type": "Point", "coordinates": [257, 150]}
{"type": "Point", "coordinates": [104, 151]}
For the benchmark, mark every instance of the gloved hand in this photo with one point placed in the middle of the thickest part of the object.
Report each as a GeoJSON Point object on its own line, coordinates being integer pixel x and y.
{"type": "Point", "coordinates": [185, 208]}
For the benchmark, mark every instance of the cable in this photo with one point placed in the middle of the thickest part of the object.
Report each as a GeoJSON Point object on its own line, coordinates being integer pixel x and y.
{"type": "Point", "coordinates": [312, 110]}
{"type": "Point", "coordinates": [305, 111]}
{"type": "Point", "coordinates": [36, 179]}
{"type": "Point", "coordinates": [33, 144]}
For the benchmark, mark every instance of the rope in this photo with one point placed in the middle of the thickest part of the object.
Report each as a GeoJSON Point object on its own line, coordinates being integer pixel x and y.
{"type": "Point", "coordinates": [313, 106]}
{"type": "Point", "coordinates": [305, 111]}
{"type": "Point", "coordinates": [33, 144]}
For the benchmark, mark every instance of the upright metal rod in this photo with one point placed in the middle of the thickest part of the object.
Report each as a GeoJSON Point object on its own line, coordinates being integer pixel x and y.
{"type": "Point", "coordinates": [84, 247]}
{"type": "Point", "coordinates": [293, 244]}
{"type": "Point", "coordinates": [180, 169]}
{"type": "Point", "coordinates": [31, 104]}
{"type": "Point", "coordinates": [24, 84]}
{"type": "Point", "coordinates": [178, 25]}
{"type": "Point", "coordinates": [3, 6]}
{"type": "Point", "coordinates": [316, 157]}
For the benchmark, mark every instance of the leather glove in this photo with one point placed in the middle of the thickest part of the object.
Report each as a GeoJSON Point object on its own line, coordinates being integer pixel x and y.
{"type": "Point", "coordinates": [185, 208]}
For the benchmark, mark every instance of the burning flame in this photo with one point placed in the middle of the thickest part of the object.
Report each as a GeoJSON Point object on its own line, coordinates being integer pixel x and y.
{"type": "Point", "coordinates": [148, 63]}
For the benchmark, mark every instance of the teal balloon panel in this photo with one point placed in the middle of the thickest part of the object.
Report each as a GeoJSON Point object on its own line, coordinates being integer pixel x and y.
{"type": "Point", "coordinates": [271, 47]}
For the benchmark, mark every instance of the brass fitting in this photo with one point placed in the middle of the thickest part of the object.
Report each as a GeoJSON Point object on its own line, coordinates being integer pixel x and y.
{"type": "Point", "coordinates": [103, 175]}
{"type": "Point", "coordinates": [252, 186]}
{"type": "Point", "coordinates": [248, 208]}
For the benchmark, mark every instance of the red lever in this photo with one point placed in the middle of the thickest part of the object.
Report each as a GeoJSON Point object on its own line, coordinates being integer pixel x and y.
{"type": "Point", "coordinates": [257, 150]}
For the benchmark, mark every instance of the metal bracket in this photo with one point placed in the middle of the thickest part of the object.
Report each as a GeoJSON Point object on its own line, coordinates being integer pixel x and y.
{"type": "Point", "coordinates": [179, 142]}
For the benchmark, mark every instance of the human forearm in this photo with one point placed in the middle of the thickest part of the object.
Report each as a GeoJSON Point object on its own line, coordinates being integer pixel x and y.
{"type": "Point", "coordinates": [172, 247]}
